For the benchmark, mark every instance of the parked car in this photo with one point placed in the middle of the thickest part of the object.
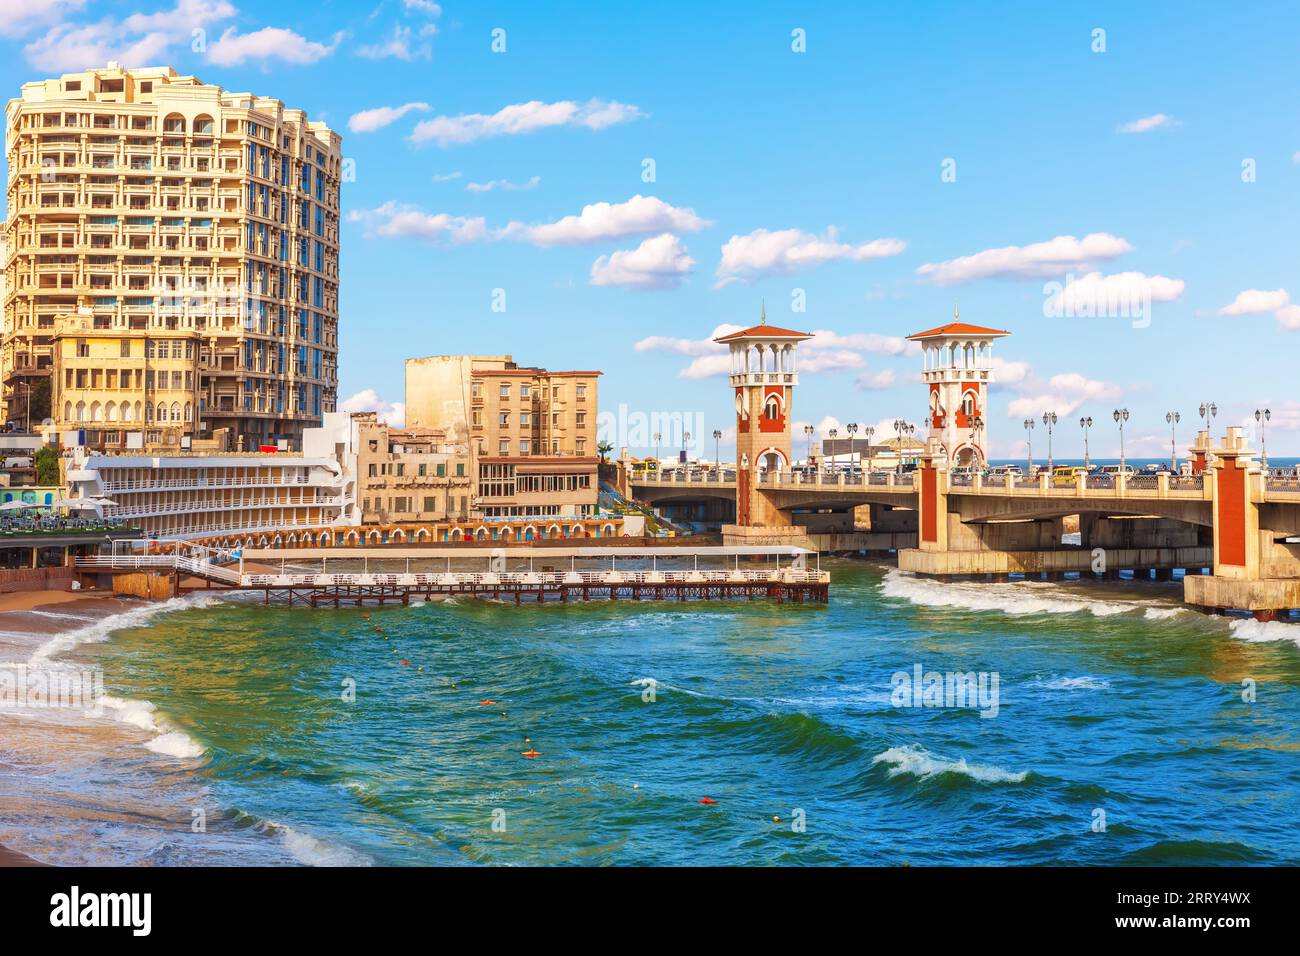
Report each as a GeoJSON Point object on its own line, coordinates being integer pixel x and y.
{"type": "Point", "coordinates": [1114, 471]}
{"type": "Point", "coordinates": [1000, 472]}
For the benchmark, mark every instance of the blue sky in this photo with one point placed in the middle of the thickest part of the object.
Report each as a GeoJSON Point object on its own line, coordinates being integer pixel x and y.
{"type": "Point", "coordinates": [1167, 165]}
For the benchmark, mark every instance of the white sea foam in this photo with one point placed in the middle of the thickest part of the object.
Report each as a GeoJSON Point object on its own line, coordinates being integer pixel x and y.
{"type": "Point", "coordinates": [1086, 682]}
{"type": "Point", "coordinates": [314, 851]}
{"type": "Point", "coordinates": [1016, 598]}
{"type": "Point", "coordinates": [137, 713]}
{"type": "Point", "coordinates": [102, 628]}
{"type": "Point", "coordinates": [142, 714]}
{"type": "Point", "coordinates": [1163, 613]}
{"type": "Point", "coordinates": [1262, 632]}
{"type": "Point", "coordinates": [920, 763]}
{"type": "Point", "coordinates": [175, 744]}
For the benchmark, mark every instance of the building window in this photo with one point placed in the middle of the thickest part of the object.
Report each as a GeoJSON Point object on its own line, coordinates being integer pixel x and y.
{"type": "Point", "coordinates": [504, 447]}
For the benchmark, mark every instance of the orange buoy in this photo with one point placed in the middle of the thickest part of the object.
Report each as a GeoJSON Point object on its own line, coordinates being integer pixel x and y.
{"type": "Point", "coordinates": [707, 801]}
{"type": "Point", "coordinates": [530, 753]}
{"type": "Point", "coordinates": [405, 663]}
{"type": "Point", "coordinates": [486, 703]}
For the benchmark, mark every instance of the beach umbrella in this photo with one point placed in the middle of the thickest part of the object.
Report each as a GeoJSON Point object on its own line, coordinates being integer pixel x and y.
{"type": "Point", "coordinates": [15, 505]}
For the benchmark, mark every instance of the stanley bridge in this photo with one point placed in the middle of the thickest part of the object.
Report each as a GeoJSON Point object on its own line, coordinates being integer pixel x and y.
{"type": "Point", "coordinates": [1234, 529]}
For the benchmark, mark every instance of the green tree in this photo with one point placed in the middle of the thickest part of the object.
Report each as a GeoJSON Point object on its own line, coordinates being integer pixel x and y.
{"type": "Point", "coordinates": [47, 467]}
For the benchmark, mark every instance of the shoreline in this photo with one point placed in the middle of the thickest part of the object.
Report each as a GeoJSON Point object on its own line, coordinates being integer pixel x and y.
{"type": "Point", "coordinates": [12, 858]}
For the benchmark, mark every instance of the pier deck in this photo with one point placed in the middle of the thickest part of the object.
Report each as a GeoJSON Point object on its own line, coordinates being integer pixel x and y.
{"type": "Point", "coordinates": [786, 575]}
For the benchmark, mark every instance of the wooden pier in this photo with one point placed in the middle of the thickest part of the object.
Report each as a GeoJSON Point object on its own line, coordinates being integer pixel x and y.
{"type": "Point", "coordinates": [504, 574]}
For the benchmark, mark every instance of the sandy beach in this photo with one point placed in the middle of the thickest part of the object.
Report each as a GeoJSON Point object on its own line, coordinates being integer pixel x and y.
{"type": "Point", "coordinates": [27, 620]}
{"type": "Point", "coordinates": [10, 858]}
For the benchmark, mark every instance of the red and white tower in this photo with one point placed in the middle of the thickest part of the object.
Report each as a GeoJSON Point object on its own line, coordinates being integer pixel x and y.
{"type": "Point", "coordinates": [764, 373]}
{"type": "Point", "coordinates": [958, 367]}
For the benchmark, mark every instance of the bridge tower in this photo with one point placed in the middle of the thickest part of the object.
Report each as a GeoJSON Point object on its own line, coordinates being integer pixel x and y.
{"type": "Point", "coordinates": [958, 367]}
{"type": "Point", "coordinates": [764, 373]}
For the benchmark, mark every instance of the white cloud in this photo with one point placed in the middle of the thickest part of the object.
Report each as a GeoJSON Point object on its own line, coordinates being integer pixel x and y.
{"type": "Point", "coordinates": [368, 400]}
{"type": "Point", "coordinates": [828, 360]}
{"type": "Point", "coordinates": [393, 220]}
{"type": "Point", "coordinates": [1038, 260]}
{"type": "Point", "coordinates": [505, 184]}
{"type": "Point", "coordinates": [367, 121]}
{"type": "Point", "coordinates": [707, 366]}
{"type": "Point", "coordinates": [1257, 301]}
{"type": "Point", "coordinates": [1009, 373]}
{"type": "Point", "coordinates": [400, 45]}
{"type": "Point", "coordinates": [603, 222]}
{"type": "Point", "coordinates": [423, 6]}
{"type": "Point", "coordinates": [1148, 123]}
{"type": "Point", "coordinates": [825, 352]}
{"type": "Point", "coordinates": [446, 177]}
{"type": "Point", "coordinates": [867, 342]}
{"type": "Point", "coordinates": [1124, 293]}
{"type": "Point", "coordinates": [18, 17]}
{"type": "Point", "coordinates": [660, 262]}
{"type": "Point", "coordinates": [1063, 394]}
{"type": "Point", "coordinates": [765, 252]}
{"type": "Point", "coordinates": [874, 381]}
{"type": "Point", "coordinates": [1295, 157]}
{"type": "Point", "coordinates": [662, 343]}
{"type": "Point", "coordinates": [520, 118]}
{"type": "Point", "coordinates": [1261, 301]}
{"type": "Point", "coordinates": [269, 43]}
{"type": "Point", "coordinates": [599, 222]}
{"type": "Point", "coordinates": [136, 40]}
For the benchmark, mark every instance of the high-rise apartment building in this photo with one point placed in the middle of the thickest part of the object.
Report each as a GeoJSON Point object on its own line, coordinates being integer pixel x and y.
{"type": "Point", "coordinates": [531, 433]}
{"type": "Point", "coordinates": [173, 260]}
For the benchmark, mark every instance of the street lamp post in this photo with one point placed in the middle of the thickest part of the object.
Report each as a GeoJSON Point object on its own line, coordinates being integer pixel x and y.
{"type": "Point", "coordinates": [1085, 423]}
{"type": "Point", "coordinates": [686, 440]}
{"type": "Point", "coordinates": [1121, 416]}
{"type": "Point", "coordinates": [1029, 447]}
{"type": "Point", "coordinates": [977, 428]}
{"type": "Point", "coordinates": [808, 431]}
{"type": "Point", "coordinates": [1049, 419]}
{"type": "Point", "coordinates": [1208, 411]}
{"type": "Point", "coordinates": [1173, 418]}
{"type": "Point", "coordinates": [831, 434]}
{"type": "Point", "coordinates": [852, 428]}
{"type": "Point", "coordinates": [717, 452]}
{"type": "Point", "coordinates": [658, 435]}
{"type": "Point", "coordinates": [901, 428]}
{"type": "Point", "coordinates": [868, 431]}
{"type": "Point", "coordinates": [1262, 417]}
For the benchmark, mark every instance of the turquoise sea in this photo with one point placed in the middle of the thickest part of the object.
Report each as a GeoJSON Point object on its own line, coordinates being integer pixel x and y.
{"type": "Point", "coordinates": [1121, 734]}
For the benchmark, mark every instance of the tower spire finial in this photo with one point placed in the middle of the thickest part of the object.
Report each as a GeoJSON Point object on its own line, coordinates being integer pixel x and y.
{"type": "Point", "coordinates": [955, 313]}
{"type": "Point", "coordinates": [763, 317]}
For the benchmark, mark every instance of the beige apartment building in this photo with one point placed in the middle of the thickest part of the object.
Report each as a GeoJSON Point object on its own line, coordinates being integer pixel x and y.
{"type": "Point", "coordinates": [530, 432]}
{"type": "Point", "coordinates": [410, 474]}
{"type": "Point", "coordinates": [172, 261]}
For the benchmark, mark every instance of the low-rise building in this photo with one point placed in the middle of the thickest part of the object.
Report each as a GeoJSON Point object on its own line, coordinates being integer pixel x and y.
{"type": "Point", "coordinates": [188, 495]}
{"type": "Point", "coordinates": [530, 432]}
{"type": "Point", "coordinates": [410, 474]}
